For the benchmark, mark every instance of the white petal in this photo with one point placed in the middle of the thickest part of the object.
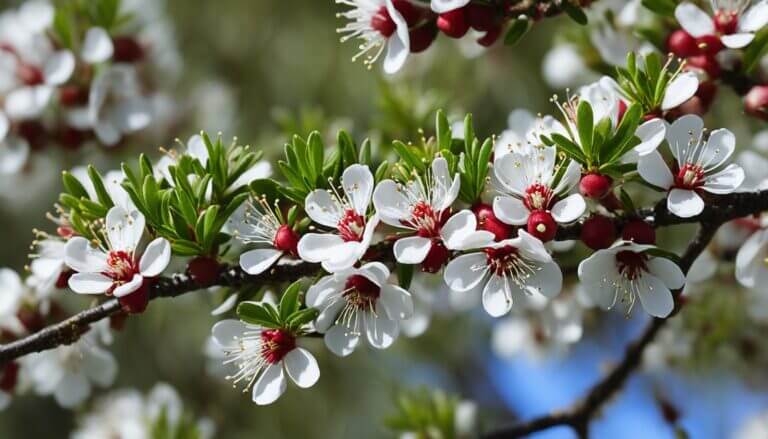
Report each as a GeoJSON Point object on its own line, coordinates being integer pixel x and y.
{"type": "Point", "coordinates": [466, 271]}
{"type": "Point", "coordinates": [569, 179]}
{"type": "Point", "coordinates": [754, 18]}
{"type": "Point", "coordinates": [440, 6]}
{"type": "Point", "coordinates": [97, 46]}
{"type": "Point", "coordinates": [381, 331]}
{"type": "Point", "coordinates": [510, 210]}
{"type": "Point", "coordinates": [399, 43]}
{"type": "Point", "coordinates": [156, 257]}
{"type": "Point", "coordinates": [458, 228]}
{"type": "Point", "coordinates": [391, 205]}
{"type": "Point", "coordinates": [703, 268]}
{"type": "Point", "coordinates": [569, 209]}
{"type": "Point", "coordinates": [270, 385]}
{"type": "Point", "coordinates": [737, 41]}
{"type": "Point", "coordinates": [90, 283]}
{"type": "Point", "coordinates": [317, 247]}
{"type": "Point", "coordinates": [530, 247]}
{"type": "Point", "coordinates": [100, 366]}
{"type": "Point", "coordinates": [655, 296]}
{"type": "Point", "coordinates": [651, 135]}
{"type": "Point", "coordinates": [655, 171]}
{"type": "Point", "coordinates": [4, 126]}
{"type": "Point", "coordinates": [72, 390]}
{"type": "Point", "coordinates": [680, 133]}
{"type": "Point", "coordinates": [124, 228]}
{"type": "Point", "coordinates": [262, 169]}
{"type": "Point", "coordinates": [396, 301]}
{"type": "Point", "coordinates": [719, 148]}
{"type": "Point", "coordinates": [132, 114]}
{"type": "Point", "coordinates": [750, 259]}
{"type": "Point", "coordinates": [444, 189]}
{"type": "Point", "coordinates": [595, 268]}
{"type": "Point", "coordinates": [695, 21]}
{"type": "Point", "coordinates": [81, 257]}
{"type": "Point", "coordinates": [510, 171]}
{"type": "Point", "coordinates": [682, 88]}
{"type": "Point", "coordinates": [725, 181]}
{"type": "Point", "coordinates": [357, 182]}
{"type": "Point", "coordinates": [257, 261]}
{"type": "Point", "coordinates": [27, 102]}
{"type": "Point", "coordinates": [341, 340]}
{"type": "Point", "coordinates": [59, 67]}
{"type": "Point", "coordinates": [12, 291]}
{"type": "Point", "coordinates": [344, 256]}
{"type": "Point", "coordinates": [323, 208]}
{"type": "Point", "coordinates": [227, 333]}
{"type": "Point", "coordinates": [602, 294]}
{"type": "Point", "coordinates": [547, 281]}
{"type": "Point", "coordinates": [412, 250]}
{"type": "Point", "coordinates": [667, 271]}
{"type": "Point", "coordinates": [107, 132]}
{"type": "Point", "coordinates": [496, 300]}
{"type": "Point", "coordinates": [197, 149]}
{"type": "Point", "coordinates": [684, 203]}
{"type": "Point", "coordinates": [36, 15]}
{"type": "Point", "coordinates": [328, 315]}
{"type": "Point", "coordinates": [321, 291]}
{"type": "Point", "coordinates": [377, 272]}
{"type": "Point", "coordinates": [14, 153]}
{"type": "Point", "coordinates": [302, 368]}
{"type": "Point", "coordinates": [129, 287]}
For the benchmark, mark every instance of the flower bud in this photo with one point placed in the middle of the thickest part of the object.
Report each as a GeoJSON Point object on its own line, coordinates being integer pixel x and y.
{"type": "Point", "coordinates": [682, 44]}
{"type": "Point", "coordinates": [127, 49]}
{"type": "Point", "coordinates": [287, 240]}
{"type": "Point", "coordinates": [453, 23]}
{"type": "Point", "coordinates": [707, 64]}
{"type": "Point", "coordinates": [542, 225]}
{"type": "Point", "coordinates": [203, 270]}
{"type": "Point", "coordinates": [598, 232]}
{"type": "Point", "coordinates": [709, 45]}
{"type": "Point", "coordinates": [756, 102]}
{"type": "Point", "coordinates": [422, 37]}
{"type": "Point", "coordinates": [639, 232]}
{"type": "Point", "coordinates": [137, 301]}
{"type": "Point", "coordinates": [437, 257]}
{"type": "Point", "coordinates": [410, 12]}
{"type": "Point", "coordinates": [481, 17]}
{"type": "Point", "coordinates": [72, 96]}
{"type": "Point", "coordinates": [486, 220]}
{"type": "Point", "coordinates": [595, 185]}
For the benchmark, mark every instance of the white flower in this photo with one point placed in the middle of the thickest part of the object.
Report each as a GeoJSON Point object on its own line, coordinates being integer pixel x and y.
{"type": "Point", "coordinates": [116, 106]}
{"type": "Point", "coordinates": [14, 150]}
{"type": "Point", "coordinates": [563, 67]}
{"type": "Point", "coordinates": [751, 266]}
{"type": "Point", "coordinates": [112, 183]}
{"type": "Point", "coordinates": [733, 21]}
{"type": "Point", "coordinates": [523, 133]}
{"type": "Point", "coordinates": [509, 270]}
{"type": "Point", "coordinates": [346, 214]}
{"type": "Point", "coordinates": [379, 25]}
{"type": "Point", "coordinates": [526, 182]}
{"type": "Point", "coordinates": [357, 301]}
{"type": "Point", "coordinates": [624, 272]}
{"type": "Point", "coordinates": [422, 206]}
{"type": "Point", "coordinates": [257, 223]}
{"type": "Point", "coordinates": [613, 44]}
{"type": "Point", "coordinates": [120, 268]}
{"type": "Point", "coordinates": [97, 46]}
{"type": "Point", "coordinates": [68, 371]}
{"type": "Point", "coordinates": [698, 163]}
{"type": "Point", "coordinates": [440, 6]}
{"type": "Point", "coordinates": [262, 357]}
{"type": "Point", "coordinates": [11, 299]}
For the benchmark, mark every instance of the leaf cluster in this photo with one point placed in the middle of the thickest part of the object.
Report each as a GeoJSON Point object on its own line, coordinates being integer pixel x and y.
{"type": "Point", "coordinates": [288, 315]}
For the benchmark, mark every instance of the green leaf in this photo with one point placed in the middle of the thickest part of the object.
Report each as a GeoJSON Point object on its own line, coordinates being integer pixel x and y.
{"type": "Point", "coordinates": [661, 7]}
{"type": "Point", "coordinates": [257, 314]}
{"type": "Point", "coordinates": [443, 131]}
{"type": "Point", "coordinates": [754, 52]}
{"type": "Point", "coordinates": [404, 275]}
{"type": "Point", "coordinates": [585, 126]}
{"type": "Point", "coordinates": [302, 317]}
{"type": "Point", "coordinates": [289, 303]}
{"type": "Point", "coordinates": [569, 148]}
{"type": "Point", "coordinates": [98, 185]}
{"type": "Point", "coordinates": [73, 186]}
{"type": "Point", "coordinates": [364, 156]}
{"type": "Point", "coordinates": [469, 136]}
{"type": "Point", "coordinates": [626, 201]}
{"type": "Point", "coordinates": [517, 29]}
{"type": "Point", "coordinates": [621, 143]}
{"type": "Point", "coordinates": [183, 247]}
{"type": "Point", "coordinates": [317, 154]}
{"type": "Point", "coordinates": [575, 12]}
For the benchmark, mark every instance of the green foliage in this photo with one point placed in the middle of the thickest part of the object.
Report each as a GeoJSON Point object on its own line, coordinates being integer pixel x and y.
{"type": "Point", "coordinates": [661, 7]}
{"type": "Point", "coordinates": [428, 414]}
{"type": "Point", "coordinates": [574, 11]}
{"type": "Point", "coordinates": [755, 51]}
{"type": "Point", "coordinates": [191, 212]}
{"type": "Point", "coordinates": [186, 428]}
{"type": "Point", "coordinates": [73, 18]}
{"type": "Point", "coordinates": [76, 204]}
{"type": "Point", "coordinates": [517, 30]}
{"type": "Point", "coordinates": [473, 163]}
{"type": "Point", "coordinates": [646, 86]}
{"type": "Point", "coordinates": [288, 315]}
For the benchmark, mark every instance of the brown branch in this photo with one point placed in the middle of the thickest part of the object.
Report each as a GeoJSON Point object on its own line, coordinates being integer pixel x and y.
{"type": "Point", "coordinates": [580, 414]}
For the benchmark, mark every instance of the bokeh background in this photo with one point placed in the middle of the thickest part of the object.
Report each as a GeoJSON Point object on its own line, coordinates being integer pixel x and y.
{"type": "Point", "coordinates": [264, 70]}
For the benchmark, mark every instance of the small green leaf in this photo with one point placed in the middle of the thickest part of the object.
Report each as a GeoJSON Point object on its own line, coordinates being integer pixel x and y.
{"type": "Point", "coordinates": [404, 275]}
{"type": "Point", "coordinates": [443, 130]}
{"type": "Point", "coordinates": [569, 148]}
{"type": "Point", "coordinates": [289, 303]}
{"type": "Point", "coordinates": [585, 126]}
{"type": "Point", "coordinates": [754, 52]}
{"type": "Point", "coordinates": [661, 7]}
{"type": "Point", "coordinates": [575, 12]}
{"type": "Point", "coordinates": [98, 185]}
{"type": "Point", "coordinates": [257, 314]}
{"type": "Point", "coordinates": [73, 186]}
{"type": "Point", "coordinates": [302, 317]}
{"type": "Point", "coordinates": [517, 29]}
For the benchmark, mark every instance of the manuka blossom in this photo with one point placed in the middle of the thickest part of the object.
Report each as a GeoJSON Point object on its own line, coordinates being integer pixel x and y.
{"type": "Point", "coordinates": [346, 214]}
{"type": "Point", "coordinates": [751, 267]}
{"type": "Point", "coordinates": [121, 267]}
{"type": "Point", "coordinates": [734, 22]}
{"type": "Point", "coordinates": [523, 133]}
{"type": "Point", "coordinates": [379, 25]}
{"type": "Point", "coordinates": [530, 195]}
{"type": "Point", "coordinates": [422, 206]}
{"type": "Point", "coordinates": [258, 224]}
{"type": "Point", "coordinates": [262, 357]}
{"type": "Point", "coordinates": [359, 302]}
{"type": "Point", "coordinates": [699, 166]}
{"type": "Point", "coordinates": [510, 270]}
{"type": "Point", "coordinates": [625, 272]}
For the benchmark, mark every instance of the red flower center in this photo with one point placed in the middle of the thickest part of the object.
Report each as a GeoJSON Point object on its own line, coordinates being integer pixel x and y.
{"type": "Point", "coordinates": [351, 226]}
{"type": "Point", "coordinates": [425, 220]}
{"type": "Point", "coordinates": [29, 74]}
{"type": "Point", "coordinates": [121, 266]}
{"type": "Point", "coordinates": [726, 22]}
{"type": "Point", "coordinates": [631, 264]}
{"type": "Point", "coordinates": [538, 197]}
{"type": "Point", "coordinates": [690, 176]}
{"type": "Point", "coordinates": [361, 293]}
{"type": "Point", "coordinates": [383, 23]}
{"type": "Point", "coordinates": [275, 344]}
{"type": "Point", "coordinates": [503, 260]}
